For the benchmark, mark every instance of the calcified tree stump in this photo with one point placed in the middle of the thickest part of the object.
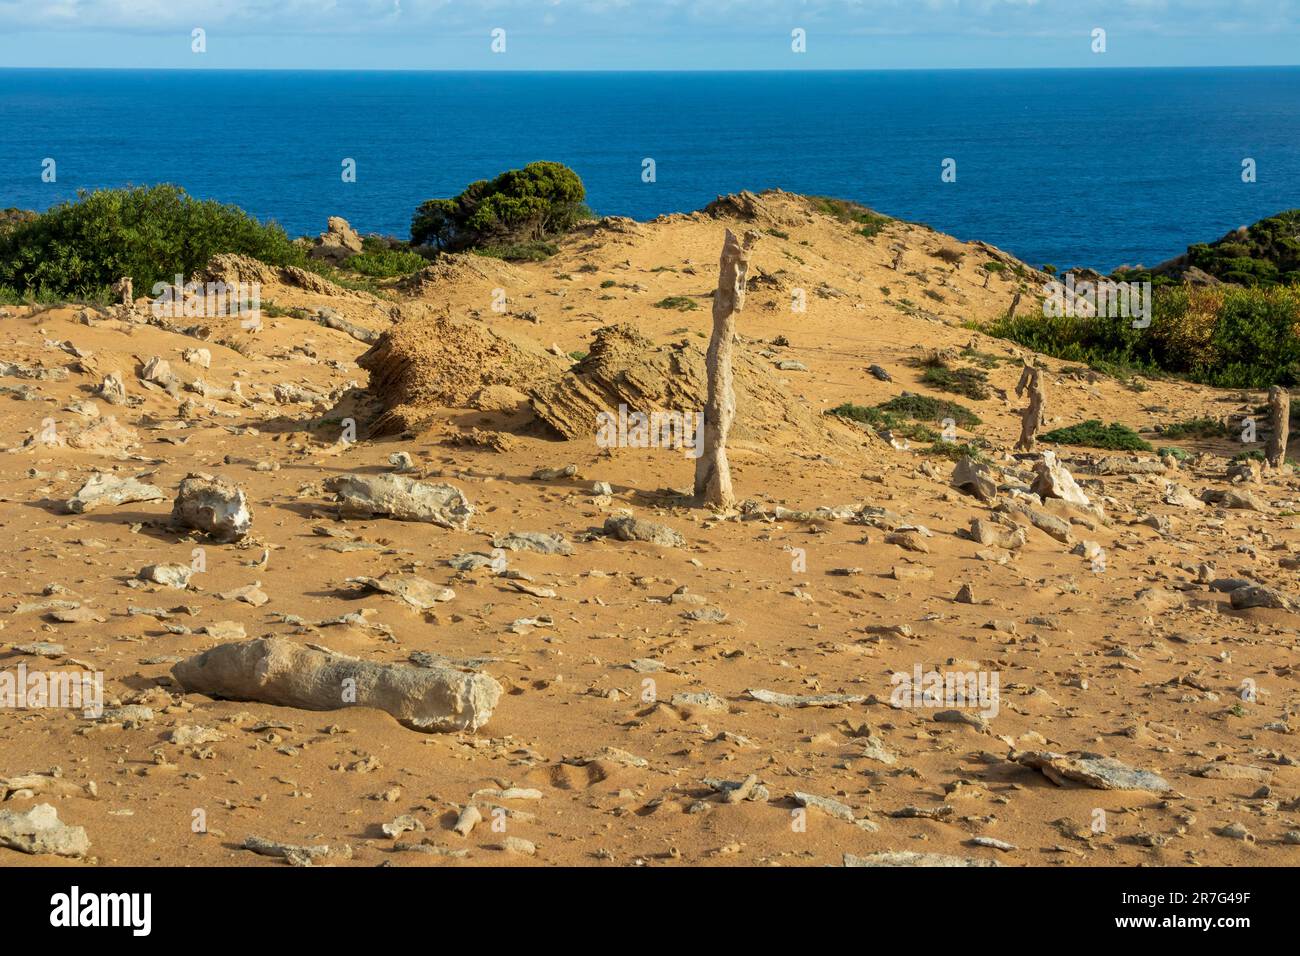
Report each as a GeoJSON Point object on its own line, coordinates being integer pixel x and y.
{"type": "Point", "coordinates": [712, 473]}
{"type": "Point", "coordinates": [1279, 406]}
{"type": "Point", "coordinates": [1034, 415]}
{"type": "Point", "coordinates": [272, 670]}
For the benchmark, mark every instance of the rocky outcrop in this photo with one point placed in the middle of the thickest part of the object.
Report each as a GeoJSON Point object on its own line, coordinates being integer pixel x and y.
{"type": "Point", "coordinates": [338, 243]}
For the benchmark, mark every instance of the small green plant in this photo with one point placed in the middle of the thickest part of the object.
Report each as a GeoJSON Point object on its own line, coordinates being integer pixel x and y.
{"type": "Point", "coordinates": [983, 359]}
{"type": "Point", "coordinates": [681, 303]}
{"type": "Point", "coordinates": [882, 420]}
{"type": "Point", "coordinates": [955, 450]}
{"type": "Point", "coordinates": [1093, 434]}
{"type": "Point", "coordinates": [870, 223]}
{"type": "Point", "coordinates": [379, 260]}
{"type": "Point", "coordinates": [537, 250]}
{"type": "Point", "coordinates": [608, 284]}
{"type": "Point", "coordinates": [970, 382]}
{"type": "Point", "coordinates": [923, 408]}
{"type": "Point", "coordinates": [1196, 428]}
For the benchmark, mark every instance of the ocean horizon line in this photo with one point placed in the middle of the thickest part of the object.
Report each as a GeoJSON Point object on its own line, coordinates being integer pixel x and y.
{"type": "Point", "coordinates": [517, 71]}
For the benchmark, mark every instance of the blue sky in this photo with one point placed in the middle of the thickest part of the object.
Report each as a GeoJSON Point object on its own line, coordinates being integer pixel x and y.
{"type": "Point", "coordinates": [647, 34]}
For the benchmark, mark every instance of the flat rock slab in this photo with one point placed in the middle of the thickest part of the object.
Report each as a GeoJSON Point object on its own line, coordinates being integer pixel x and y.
{"type": "Point", "coordinates": [275, 671]}
{"type": "Point", "coordinates": [908, 858]}
{"type": "Point", "coordinates": [537, 541]}
{"type": "Point", "coordinates": [401, 498]}
{"type": "Point", "coordinates": [1093, 770]}
{"type": "Point", "coordinates": [805, 700]}
{"type": "Point", "coordinates": [627, 528]}
{"type": "Point", "coordinates": [103, 490]}
{"type": "Point", "coordinates": [408, 588]}
{"type": "Point", "coordinates": [39, 830]}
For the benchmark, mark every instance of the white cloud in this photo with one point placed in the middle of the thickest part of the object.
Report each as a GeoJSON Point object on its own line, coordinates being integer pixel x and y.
{"type": "Point", "coordinates": [578, 17]}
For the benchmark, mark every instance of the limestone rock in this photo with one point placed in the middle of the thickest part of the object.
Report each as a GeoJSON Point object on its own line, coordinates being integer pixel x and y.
{"type": "Point", "coordinates": [39, 830]}
{"type": "Point", "coordinates": [974, 478]}
{"type": "Point", "coordinates": [1052, 480]}
{"type": "Point", "coordinates": [1093, 770]}
{"type": "Point", "coordinates": [103, 489]}
{"type": "Point", "coordinates": [276, 671]}
{"type": "Point", "coordinates": [401, 498]}
{"type": "Point", "coordinates": [629, 528]}
{"type": "Point", "coordinates": [408, 588]}
{"type": "Point", "coordinates": [538, 541]}
{"type": "Point", "coordinates": [214, 506]}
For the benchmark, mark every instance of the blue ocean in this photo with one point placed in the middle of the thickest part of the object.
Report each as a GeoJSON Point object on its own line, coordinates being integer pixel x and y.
{"type": "Point", "coordinates": [1069, 167]}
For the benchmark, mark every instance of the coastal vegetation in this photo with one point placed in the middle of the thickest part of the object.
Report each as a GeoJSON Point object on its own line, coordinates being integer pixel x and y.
{"type": "Point", "coordinates": [1230, 336]}
{"type": "Point", "coordinates": [511, 216]}
{"type": "Point", "coordinates": [79, 249]}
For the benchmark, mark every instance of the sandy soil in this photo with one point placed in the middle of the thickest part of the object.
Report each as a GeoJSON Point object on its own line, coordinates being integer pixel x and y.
{"type": "Point", "coordinates": [1143, 661]}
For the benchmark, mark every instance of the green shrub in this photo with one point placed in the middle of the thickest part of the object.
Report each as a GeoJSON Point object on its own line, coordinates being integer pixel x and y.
{"type": "Point", "coordinates": [536, 250]}
{"type": "Point", "coordinates": [971, 382]}
{"type": "Point", "coordinates": [922, 408]}
{"type": "Point", "coordinates": [519, 206]}
{"type": "Point", "coordinates": [1255, 341]}
{"type": "Point", "coordinates": [152, 234]}
{"type": "Point", "coordinates": [1093, 434]}
{"type": "Point", "coordinates": [382, 260]}
{"type": "Point", "coordinates": [955, 450]}
{"type": "Point", "coordinates": [983, 359]}
{"type": "Point", "coordinates": [681, 303]}
{"type": "Point", "coordinates": [869, 221]}
{"type": "Point", "coordinates": [1227, 336]}
{"type": "Point", "coordinates": [882, 420]}
{"type": "Point", "coordinates": [1267, 253]}
{"type": "Point", "coordinates": [1196, 428]}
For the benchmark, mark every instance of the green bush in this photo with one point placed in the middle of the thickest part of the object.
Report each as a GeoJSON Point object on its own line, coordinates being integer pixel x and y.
{"type": "Point", "coordinates": [971, 382]}
{"type": "Point", "coordinates": [1196, 428]}
{"type": "Point", "coordinates": [681, 303]}
{"type": "Point", "coordinates": [1093, 434]}
{"type": "Point", "coordinates": [519, 206]}
{"type": "Point", "coordinates": [869, 221]}
{"type": "Point", "coordinates": [1267, 253]}
{"type": "Point", "coordinates": [380, 259]}
{"type": "Point", "coordinates": [956, 450]}
{"type": "Point", "coordinates": [1228, 336]}
{"type": "Point", "coordinates": [535, 251]}
{"type": "Point", "coordinates": [152, 234]}
{"type": "Point", "coordinates": [1255, 341]}
{"type": "Point", "coordinates": [882, 420]}
{"type": "Point", "coordinates": [922, 408]}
